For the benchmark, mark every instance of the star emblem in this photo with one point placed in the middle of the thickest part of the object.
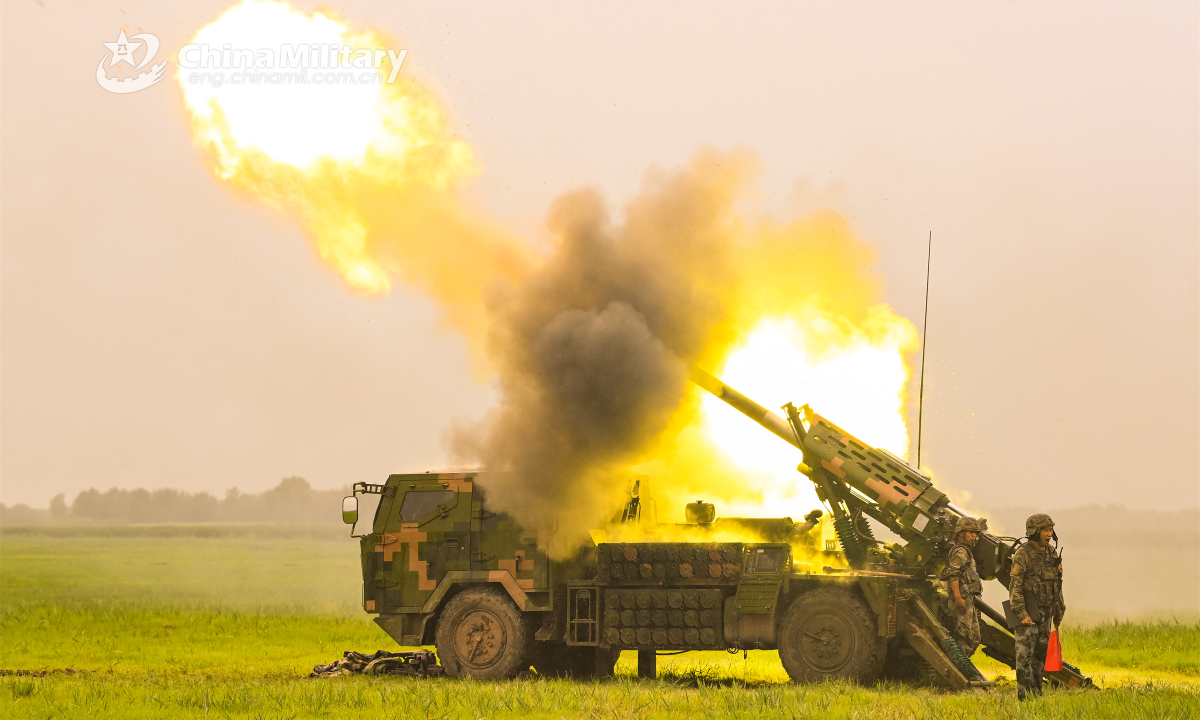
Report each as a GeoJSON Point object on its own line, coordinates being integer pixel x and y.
{"type": "Point", "coordinates": [122, 50]}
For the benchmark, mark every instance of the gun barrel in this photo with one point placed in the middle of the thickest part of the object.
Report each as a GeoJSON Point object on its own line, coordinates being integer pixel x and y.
{"type": "Point", "coordinates": [960, 511]}
{"type": "Point", "coordinates": [991, 613]}
{"type": "Point", "coordinates": [898, 489]}
{"type": "Point", "coordinates": [746, 406]}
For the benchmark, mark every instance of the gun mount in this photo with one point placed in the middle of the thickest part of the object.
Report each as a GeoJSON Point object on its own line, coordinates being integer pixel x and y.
{"type": "Point", "coordinates": [855, 480]}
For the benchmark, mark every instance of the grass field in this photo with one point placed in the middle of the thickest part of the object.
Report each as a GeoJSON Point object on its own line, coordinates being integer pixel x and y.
{"type": "Point", "coordinates": [226, 622]}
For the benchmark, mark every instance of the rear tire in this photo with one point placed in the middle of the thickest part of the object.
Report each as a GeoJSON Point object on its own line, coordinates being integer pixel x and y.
{"type": "Point", "coordinates": [830, 633]}
{"type": "Point", "coordinates": [481, 634]}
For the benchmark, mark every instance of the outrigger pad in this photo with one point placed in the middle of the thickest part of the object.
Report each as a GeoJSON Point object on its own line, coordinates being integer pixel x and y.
{"type": "Point", "coordinates": [417, 663]}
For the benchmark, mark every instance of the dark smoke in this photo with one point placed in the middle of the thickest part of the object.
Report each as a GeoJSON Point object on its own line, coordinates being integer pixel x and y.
{"type": "Point", "coordinates": [592, 349]}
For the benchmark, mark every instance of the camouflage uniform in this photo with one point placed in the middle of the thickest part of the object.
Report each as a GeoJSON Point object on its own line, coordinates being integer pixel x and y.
{"type": "Point", "coordinates": [960, 565]}
{"type": "Point", "coordinates": [1036, 581]}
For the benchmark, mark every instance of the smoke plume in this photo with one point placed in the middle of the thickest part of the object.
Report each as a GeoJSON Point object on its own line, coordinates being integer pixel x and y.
{"type": "Point", "coordinates": [592, 350]}
{"type": "Point", "coordinates": [590, 343]}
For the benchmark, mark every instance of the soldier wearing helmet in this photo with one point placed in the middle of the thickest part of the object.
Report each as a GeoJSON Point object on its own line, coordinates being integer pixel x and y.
{"type": "Point", "coordinates": [963, 585]}
{"type": "Point", "coordinates": [1035, 596]}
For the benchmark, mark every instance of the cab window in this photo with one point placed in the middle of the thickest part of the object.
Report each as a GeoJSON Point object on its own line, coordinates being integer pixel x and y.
{"type": "Point", "coordinates": [769, 560]}
{"type": "Point", "coordinates": [419, 503]}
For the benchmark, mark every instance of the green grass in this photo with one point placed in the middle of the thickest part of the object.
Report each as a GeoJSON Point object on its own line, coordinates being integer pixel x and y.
{"type": "Point", "coordinates": [362, 698]}
{"type": "Point", "coordinates": [226, 623]}
{"type": "Point", "coordinates": [228, 568]}
{"type": "Point", "coordinates": [1169, 646]}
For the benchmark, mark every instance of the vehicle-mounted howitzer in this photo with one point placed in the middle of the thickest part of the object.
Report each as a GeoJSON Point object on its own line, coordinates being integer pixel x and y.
{"type": "Point", "coordinates": [444, 563]}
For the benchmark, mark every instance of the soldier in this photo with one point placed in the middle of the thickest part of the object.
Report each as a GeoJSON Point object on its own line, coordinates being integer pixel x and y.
{"type": "Point", "coordinates": [964, 586]}
{"type": "Point", "coordinates": [1035, 590]}
{"type": "Point", "coordinates": [811, 520]}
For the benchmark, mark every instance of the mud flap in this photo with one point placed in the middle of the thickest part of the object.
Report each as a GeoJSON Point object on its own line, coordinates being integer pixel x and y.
{"type": "Point", "coordinates": [407, 629]}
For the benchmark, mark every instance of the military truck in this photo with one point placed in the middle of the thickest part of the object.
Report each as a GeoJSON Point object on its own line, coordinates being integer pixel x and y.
{"type": "Point", "coordinates": [443, 566]}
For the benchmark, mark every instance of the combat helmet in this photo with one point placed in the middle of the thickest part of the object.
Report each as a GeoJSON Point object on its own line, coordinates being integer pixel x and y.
{"type": "Point", "coordinates": [967, 524]}
{"type": "Point", "coordinates": [1037, 523]}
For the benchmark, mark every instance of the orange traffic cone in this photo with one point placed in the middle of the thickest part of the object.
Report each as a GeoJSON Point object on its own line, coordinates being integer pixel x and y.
{"type": "Point", "coordinates": [1054, 652]}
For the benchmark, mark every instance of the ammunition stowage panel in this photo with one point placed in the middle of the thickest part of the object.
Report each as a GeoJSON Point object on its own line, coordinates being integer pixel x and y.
{"type": "Point", "coordinates": [664, 619]}
{"type": "Point", "coordinates": [673, 563]}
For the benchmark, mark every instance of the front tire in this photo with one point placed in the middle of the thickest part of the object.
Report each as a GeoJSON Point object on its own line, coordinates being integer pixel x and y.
{"type": "Point", "coordinates": [481, 634]}
{"type": "Point", "coordinates": [830, 633]}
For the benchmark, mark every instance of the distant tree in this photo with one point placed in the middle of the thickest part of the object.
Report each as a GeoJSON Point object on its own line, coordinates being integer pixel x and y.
{"type": "Point", "coordinates": [292, 501]}
{"type": "Point", "coordinates": [89, 504]}
{"type": "Point", "coordinates": [58, 506]}
{"type": "Point", "coordinates": [21, 513]}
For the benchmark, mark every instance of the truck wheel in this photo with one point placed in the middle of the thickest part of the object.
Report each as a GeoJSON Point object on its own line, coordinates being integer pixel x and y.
{"type": "Point", "coordinates": [481, 634]}
{"type": "Point", "coordinates": [830, 633]}
{"type": "Point", "coordinates": [576, 662]}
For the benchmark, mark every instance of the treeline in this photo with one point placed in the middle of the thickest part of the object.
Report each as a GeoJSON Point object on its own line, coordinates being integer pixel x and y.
{"type": "Point", "coordinates": [1104, 523]}
{"type": "Point", "coordinates": [293, 501]}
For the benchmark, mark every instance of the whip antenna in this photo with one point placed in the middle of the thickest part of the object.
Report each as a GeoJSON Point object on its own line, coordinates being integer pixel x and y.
{"type": "Point", "coordinates": [924, 328]}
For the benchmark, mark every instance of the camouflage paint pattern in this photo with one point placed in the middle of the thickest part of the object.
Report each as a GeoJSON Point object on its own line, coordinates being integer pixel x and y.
{"type": "Point", "coordinates": [433, 526]}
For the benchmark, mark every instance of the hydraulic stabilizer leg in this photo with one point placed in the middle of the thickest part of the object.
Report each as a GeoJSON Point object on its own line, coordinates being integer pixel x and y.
{"type": "Point", "coordinates": [940, 650]}
{"type": "Point", "coordinates": [647, 663]}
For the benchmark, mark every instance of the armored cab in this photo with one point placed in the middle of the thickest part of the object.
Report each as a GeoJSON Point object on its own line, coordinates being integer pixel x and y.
{"type": "Point", "coordinates": [432, 534]}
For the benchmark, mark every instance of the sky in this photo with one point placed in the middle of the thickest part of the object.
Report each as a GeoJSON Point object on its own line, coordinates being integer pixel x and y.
{"type": "Point", "coordinates": [158, 331]}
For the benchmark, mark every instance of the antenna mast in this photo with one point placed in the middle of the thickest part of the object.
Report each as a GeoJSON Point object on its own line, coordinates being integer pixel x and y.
{"type": "Point", "coordinates": [924, 328]}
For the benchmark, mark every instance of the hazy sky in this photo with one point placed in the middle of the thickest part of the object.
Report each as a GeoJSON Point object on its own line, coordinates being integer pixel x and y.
{"type": "Point", "coordinates": [159, 332]}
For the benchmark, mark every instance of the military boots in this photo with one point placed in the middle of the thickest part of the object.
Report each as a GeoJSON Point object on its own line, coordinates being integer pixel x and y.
{"type": "Point", "coordinates": [1027, 689]}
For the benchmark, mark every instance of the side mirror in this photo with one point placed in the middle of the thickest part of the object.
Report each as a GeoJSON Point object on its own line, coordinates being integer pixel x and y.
{"type": "Point", "coordinates": [350, 510]}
